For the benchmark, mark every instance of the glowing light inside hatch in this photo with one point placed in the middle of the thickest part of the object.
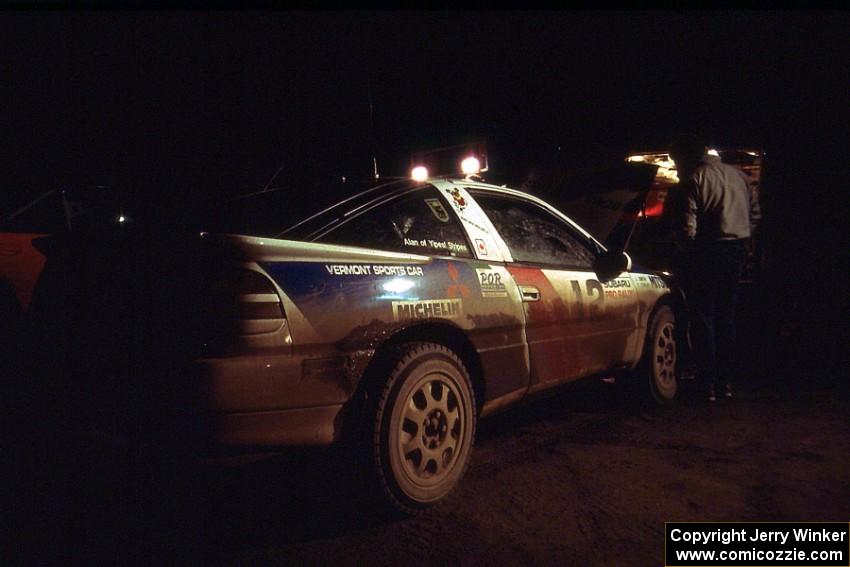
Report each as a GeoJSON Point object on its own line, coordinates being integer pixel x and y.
{"type": "Point", "coordinates": [419, 173]}
{"type": "Point", "coordinates": [666, 166]}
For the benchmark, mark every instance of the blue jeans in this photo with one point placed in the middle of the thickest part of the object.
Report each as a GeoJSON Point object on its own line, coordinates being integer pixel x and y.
{"type": "Point", "coordinates": [712, 271]}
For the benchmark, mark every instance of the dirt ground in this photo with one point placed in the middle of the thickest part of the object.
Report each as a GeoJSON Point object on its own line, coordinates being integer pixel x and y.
{"type": "Point", "coordinates": [583, 477]}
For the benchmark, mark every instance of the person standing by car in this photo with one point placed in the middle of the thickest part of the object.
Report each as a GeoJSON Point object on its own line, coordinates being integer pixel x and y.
{"type": "Point", "coordinates": [713, 217]}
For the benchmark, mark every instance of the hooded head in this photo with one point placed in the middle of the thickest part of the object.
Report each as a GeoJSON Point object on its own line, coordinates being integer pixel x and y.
{"type": "Point", "coordinates": [687, 150]}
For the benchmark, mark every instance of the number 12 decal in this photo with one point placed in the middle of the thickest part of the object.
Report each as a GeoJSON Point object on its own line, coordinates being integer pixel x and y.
{"type": "Point", "coordinates": [592, 287]}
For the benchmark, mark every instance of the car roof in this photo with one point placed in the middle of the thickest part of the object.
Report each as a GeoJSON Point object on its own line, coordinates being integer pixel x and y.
{"type": "Point", "coordinates": [324, 219]}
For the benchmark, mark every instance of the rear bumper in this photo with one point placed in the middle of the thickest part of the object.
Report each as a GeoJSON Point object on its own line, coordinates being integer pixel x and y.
{"type": "Point", "coordinates": [213, 434]}
{"type": "Point", "coordinates": [264, 401]}
{"type": "Point", "coordinates": [237, 402]}
{"type": "Point", "coordinates": [299, 427]}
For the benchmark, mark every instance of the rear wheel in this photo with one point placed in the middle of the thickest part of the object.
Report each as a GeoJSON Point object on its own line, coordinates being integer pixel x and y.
{"type": "Point", "coordinates": [658, 368]}
{"type": "Point", "coordinates": [423, 426]}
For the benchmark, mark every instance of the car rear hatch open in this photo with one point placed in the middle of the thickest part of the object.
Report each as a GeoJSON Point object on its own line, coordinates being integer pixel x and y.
{"type": "Point", "coordinates": [607, 202]}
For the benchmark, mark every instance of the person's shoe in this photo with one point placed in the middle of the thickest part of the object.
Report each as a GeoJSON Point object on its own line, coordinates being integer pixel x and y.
{"type": "Point", "coordinates": [727, 391]}
{"type": "Point", "coordinates": [711, 396]}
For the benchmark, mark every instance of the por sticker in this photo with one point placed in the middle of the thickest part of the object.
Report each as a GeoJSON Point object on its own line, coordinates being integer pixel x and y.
{"type": "Point", "coordinates": [491, 282]}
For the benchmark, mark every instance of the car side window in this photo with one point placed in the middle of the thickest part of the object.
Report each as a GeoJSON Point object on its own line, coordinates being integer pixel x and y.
{"type": "Point", "coordinates": [417, 223]}
{"type": "Point", "coordinates": [533, 234]}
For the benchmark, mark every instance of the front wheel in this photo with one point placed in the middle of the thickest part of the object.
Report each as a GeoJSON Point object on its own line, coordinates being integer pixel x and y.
{"type": "Point", "coordinates": [423, 427]}
{"type": "Point", "coordinates": [658, 368]}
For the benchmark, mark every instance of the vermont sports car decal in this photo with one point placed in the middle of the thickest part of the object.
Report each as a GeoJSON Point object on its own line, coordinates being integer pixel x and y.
{"type": "Point", "coordinates": [333, 297]}
{"type": "Point", "coordinates": [372, 269]}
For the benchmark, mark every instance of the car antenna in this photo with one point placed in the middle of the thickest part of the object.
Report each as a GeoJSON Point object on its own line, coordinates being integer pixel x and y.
{"type": "Point", "coordinates": [371, 120]}
{"type": "Point", "coordinates": [13, 215]}
{"type": "Point", "coordinates": [273, 177]}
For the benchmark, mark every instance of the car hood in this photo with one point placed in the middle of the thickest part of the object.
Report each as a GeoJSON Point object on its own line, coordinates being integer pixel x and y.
{"type": "Point", "coordinates": [607, 202]}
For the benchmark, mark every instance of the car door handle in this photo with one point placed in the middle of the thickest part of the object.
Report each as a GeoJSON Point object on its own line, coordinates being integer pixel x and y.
{"type": "Point", "coordinates": [529, 293]}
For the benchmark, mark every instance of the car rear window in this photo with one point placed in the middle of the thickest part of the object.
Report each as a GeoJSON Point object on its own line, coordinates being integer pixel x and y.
{"type": "Point", "coordinates": [268, 213]}
{"type": "Point", "coordinates": [298, 212]}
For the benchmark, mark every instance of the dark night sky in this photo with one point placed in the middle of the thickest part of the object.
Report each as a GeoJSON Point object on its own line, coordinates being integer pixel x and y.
{"type": "Point", "coordinates": [176, 108]}
{"type": "Point", "coordinates": [179, 104]}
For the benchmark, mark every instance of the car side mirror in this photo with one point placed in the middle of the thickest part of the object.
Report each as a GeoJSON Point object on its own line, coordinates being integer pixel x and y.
{"type": "Point", "coordinates": [612, 263]}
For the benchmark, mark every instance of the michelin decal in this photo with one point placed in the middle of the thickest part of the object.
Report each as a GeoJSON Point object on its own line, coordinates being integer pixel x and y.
{"type": "Point", "coordinates": [428, 308]}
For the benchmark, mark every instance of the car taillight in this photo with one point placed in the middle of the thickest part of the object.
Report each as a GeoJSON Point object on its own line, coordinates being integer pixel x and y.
{"type": "Point", "coordinates": [257, 296]}
{"type": "Point", "coordinates": [243, 302]}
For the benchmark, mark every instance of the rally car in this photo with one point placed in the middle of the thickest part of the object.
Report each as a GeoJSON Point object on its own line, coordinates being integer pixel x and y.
{"type": "Point", "coordinates": [393, 319]}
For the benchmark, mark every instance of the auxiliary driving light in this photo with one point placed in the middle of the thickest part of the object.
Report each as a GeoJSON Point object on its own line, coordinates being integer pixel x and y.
{"type": "Point", "coordinates": [419, 173]}
{"type": "Point", "coordinates": [470, 165]}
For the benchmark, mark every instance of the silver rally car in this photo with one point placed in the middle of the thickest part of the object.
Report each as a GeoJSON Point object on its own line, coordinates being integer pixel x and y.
{"type": "Point", "coordinates": [396, 318]}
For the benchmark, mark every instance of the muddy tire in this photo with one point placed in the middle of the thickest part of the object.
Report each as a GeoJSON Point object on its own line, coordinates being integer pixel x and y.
{"type": "Point", "coordinates": [658, 366]}
{"type": "Point", "coordinates": [422, 427]}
